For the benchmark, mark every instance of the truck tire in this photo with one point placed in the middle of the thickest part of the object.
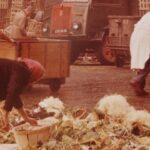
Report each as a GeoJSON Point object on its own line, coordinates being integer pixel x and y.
{"type": "Point", "coordinates": [105, 55]}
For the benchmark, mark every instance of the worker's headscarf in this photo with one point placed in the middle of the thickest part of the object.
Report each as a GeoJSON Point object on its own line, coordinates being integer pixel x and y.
{"type": "Point", "coordinates": [36, 69]}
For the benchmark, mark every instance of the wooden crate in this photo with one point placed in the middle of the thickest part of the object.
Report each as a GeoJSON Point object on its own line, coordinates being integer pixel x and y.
{"type": "Point", "coordinates": [4, 4]}
{"type": "Point", "coordinates": [18, 2]}
{"type": "Point", "coordinates": [144, 4]}
{"type": "Point", "coordinates": [139, 7]}
{"type": "Point", "coordinates": [4, 18]}
{"type": "Point", "coordinates": [36, 27]}
{"type": "Point", "coordinates": [121, 26]}
{"type": "Point", "coordinates": [118, 41]}
{"type": "Point", "coordinates": [54, 55]}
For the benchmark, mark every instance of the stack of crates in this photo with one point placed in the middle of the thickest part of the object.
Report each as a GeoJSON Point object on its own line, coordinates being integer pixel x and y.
{"type": "Point", "coordinates": [144, 6]}
{"type": "Point", "coordinates": [4, 12]}
{"type": "Point", "coordinates": [35, 27]}
{"type": "Point", "coordinates": [139, 7]}
{"type": "Point", "coordinates": [120, 29]}
{"type": "Point", "coordinates": [4, 4]}
{"type": "Point", "coordinates": [3, 18]}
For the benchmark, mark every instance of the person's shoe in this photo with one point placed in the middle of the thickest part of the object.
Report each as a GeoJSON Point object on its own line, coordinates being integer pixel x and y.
{"type": "Point", "coordinates": [145, 92]}
{"type": "Point", "coordinates": [141, 93]}
{"type": "Point", "coordinates": [137, 88]}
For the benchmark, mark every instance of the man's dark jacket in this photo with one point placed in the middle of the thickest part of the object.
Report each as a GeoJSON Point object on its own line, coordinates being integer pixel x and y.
{"type": "Point", "coordinates": [14, 77]}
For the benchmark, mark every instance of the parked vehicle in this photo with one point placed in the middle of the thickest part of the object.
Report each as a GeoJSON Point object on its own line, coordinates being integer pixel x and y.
{"type": "Point", "coordinates": [85, 23]}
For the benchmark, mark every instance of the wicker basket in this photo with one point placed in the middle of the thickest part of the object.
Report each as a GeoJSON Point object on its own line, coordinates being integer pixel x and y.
{"type": "Point", "coordinates": [35, 27]}
{"type": "Point", "coordinates": [28, 137]}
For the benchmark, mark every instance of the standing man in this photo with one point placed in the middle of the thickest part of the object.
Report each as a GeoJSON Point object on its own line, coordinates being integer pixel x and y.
{"type": "Point", "coordinates": [140, 54]}
{"type": "Point", "coordinates": [17, 30]}
{"type": "Point", "coordinates": [14, 77]}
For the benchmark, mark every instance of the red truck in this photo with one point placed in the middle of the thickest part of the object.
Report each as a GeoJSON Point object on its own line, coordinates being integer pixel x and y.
{"type": "Point", "coordinates": [85, 23]}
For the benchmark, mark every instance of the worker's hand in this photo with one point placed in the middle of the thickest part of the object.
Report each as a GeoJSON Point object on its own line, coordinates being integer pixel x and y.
{"type": "Point", "coordinates": [6, 125]}
{"type": "Point", "coordinates": [32, 121]}
{"type": "Point", "coordinates": [26, 118]}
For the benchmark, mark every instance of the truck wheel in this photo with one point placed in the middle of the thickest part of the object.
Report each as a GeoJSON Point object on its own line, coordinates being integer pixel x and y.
{"type": "Point", "coordinates": [55, 85]}
{"type": "Point", "coordinates": [106, 56]}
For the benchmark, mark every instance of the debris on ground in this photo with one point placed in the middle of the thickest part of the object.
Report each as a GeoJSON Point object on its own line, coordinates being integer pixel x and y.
{"type": "Point", "coordinates": [112, 125]}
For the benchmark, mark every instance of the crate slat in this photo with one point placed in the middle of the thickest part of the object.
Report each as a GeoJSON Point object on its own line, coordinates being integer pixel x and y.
{"type": "Point", "coordinates": [4, 4]}
{"type": "Point", "coordinates": [144, 7]}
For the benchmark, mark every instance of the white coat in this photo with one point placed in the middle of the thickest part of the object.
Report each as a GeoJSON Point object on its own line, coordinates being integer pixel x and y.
{"type": "Point", "coordinates": [140, 43]}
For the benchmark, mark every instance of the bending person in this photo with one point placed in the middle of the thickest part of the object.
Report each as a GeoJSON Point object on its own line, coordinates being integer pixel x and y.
{"type": "Point", "coordinates": [14, 77]}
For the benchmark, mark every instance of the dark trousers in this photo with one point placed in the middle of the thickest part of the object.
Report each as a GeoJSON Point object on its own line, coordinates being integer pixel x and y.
{"type": "Point", "coordinates": [142, 74]}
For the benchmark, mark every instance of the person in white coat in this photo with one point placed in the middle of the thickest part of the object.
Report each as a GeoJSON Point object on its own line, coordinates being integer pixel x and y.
{"type": "Point", "coordinates": [140, 54]}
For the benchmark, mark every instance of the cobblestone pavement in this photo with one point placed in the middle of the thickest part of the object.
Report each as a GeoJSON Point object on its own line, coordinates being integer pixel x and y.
{"type": "Point", "coordinates": [88, 83]}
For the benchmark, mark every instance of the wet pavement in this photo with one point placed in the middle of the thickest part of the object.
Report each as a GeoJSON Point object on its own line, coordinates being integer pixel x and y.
{"type": "Point", "coordinates": [88, 83]}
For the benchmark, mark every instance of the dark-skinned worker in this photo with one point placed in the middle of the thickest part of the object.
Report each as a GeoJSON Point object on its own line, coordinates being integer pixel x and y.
{"type": "Point", "coordinates": [16, 75]}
